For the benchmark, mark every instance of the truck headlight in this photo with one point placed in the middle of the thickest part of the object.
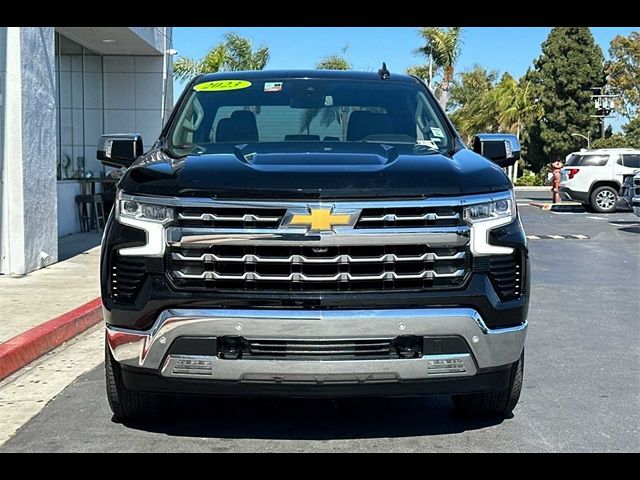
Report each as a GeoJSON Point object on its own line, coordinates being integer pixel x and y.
{"type": "Point", "coordinates": [484, 217]}
{"type": "Point", "coordinates": [150, 217]}
{"type": "Point", "coordinates": [505, 208]}
{"type": "Point", "coordinates": [143, 211]}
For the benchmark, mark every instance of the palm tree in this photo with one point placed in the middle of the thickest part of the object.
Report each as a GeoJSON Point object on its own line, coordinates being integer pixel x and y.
{"type": "Point", "coordinates": [516, 103]}
{"type": "Point", "coordinates": [442, 47]}
{"type": "Point", "coordinates": [234, 53]}
{"type": "Point", "coordinates": [423, 72]}
{"type": "Point", "coordinates": [473, 101]}
{"type": "Point", "coordinates": [329, 114]}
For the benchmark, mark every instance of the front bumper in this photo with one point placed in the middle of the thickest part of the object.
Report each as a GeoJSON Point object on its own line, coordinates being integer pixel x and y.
{"type": "Point", "coordinates": [150, 351]}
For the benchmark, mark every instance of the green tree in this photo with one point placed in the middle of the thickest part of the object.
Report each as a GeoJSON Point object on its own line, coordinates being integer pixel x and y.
{"type": "Point", "coordinates": [334, 62]}
{"type": "Point", "coordinates": [420, 71]}
{"type": "Point", "coordinates": [616, 140]}
{"type": "Point", "coordinates": [571, 64]}
{"type": "Point", "coordinates": [329, 114]}
{"type": "Point", "coordinates": [473, 103]}
{"type": "Point", "coordinates": [624, 71]}
{"type": "Point", "coordinates": [234, 53]}
{"type": "Point", "coordinates": [632, 132]}
{"type": "Point", "coordinates": [442, 47]}
{"type": "Point", "coordinates": [515, 103]}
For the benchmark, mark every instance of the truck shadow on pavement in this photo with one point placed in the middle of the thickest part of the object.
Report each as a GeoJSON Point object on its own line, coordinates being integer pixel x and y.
{"type": "Point", "coordinates": [311, 419]}
{"type": "Point", "coordinates": [633, 226]}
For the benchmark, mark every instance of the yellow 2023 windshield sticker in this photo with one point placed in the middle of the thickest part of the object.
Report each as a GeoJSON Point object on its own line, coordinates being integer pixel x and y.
{"type": "Point", "coordinates": [221, 85]}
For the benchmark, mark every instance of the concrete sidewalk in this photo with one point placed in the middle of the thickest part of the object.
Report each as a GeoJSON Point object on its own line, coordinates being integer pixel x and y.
{"type": "Point", "coordinates": [29, 300]}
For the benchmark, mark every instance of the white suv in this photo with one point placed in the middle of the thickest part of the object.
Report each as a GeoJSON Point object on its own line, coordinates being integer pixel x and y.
{"type": "Point", "coordinates": [594, 177]}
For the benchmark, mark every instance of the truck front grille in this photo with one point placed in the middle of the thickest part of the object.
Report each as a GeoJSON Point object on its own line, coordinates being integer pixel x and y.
{"type": "Point", "coordinates": [505, 273]}
{"type": "Point", "coordinates": [215, 217]}
{"type": "Point", "coordinates": [344, 268]}
{"type": "Point", "coordinates": [415, 217]}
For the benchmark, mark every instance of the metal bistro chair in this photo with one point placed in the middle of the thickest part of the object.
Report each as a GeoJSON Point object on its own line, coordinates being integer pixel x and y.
{"type": "Point", "coordinates": [90, 211]}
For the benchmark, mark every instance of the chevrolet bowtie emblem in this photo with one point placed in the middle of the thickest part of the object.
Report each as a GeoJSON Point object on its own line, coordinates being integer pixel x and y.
{"type": "Point", "coordinates": [320, 219]}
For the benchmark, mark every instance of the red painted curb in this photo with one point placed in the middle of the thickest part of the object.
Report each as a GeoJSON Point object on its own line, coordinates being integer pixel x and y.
{"type": "Point", "coordinates": [22, 349]}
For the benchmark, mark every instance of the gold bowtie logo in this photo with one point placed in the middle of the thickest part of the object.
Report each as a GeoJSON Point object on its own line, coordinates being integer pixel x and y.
{"type": "Point", "coordinates": [320, 219]}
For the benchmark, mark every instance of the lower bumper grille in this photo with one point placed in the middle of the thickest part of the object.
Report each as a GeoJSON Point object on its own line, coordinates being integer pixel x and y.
{"type": "Point", "coordinates": [318, 269]}
{"type": "Point", "coordinates": [319, 349]}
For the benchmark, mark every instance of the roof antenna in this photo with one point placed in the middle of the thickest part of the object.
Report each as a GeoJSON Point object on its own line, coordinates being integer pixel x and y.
{"type": "Point", "coordinates": [383, 72]}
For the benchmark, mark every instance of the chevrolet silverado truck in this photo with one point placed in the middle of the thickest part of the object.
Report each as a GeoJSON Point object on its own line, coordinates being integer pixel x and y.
{"type": "Point", "coordinates": [313, 233]}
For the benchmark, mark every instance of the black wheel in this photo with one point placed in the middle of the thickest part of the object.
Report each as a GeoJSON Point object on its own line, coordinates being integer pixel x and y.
{"type": "Point", "coordinates": [127, 404]}
{"type": "Point", "coordinates": [604, 199]}
{"type": "Point", "coordinates": [498, 403]}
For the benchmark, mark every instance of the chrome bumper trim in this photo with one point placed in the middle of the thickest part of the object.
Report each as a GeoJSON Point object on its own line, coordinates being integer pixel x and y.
{"type": "Point", "coordinates": [432, 236]}
{"type": "Point", "coordinates": [148, 349]}
{"type": "Point", "coordinates": [314, 372]}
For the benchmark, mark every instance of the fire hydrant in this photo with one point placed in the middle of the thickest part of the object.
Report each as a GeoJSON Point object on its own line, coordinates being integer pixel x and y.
{"type": "Point", "coordinates": [556, 171]}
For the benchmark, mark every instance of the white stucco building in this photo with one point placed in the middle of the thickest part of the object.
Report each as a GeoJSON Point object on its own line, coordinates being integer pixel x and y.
{"type": "Point", "coordinates": [60, 89]}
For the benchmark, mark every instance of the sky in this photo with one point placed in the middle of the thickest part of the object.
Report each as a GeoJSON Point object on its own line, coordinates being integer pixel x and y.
{"type": "Point", "coordinates": [506, 49]}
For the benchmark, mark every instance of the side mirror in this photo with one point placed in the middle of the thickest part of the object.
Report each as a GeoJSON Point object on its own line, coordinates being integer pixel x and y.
{"type": "Point", "coordinates": [501, 148]}
{"type": "Point", "coordinates": [119, 149]}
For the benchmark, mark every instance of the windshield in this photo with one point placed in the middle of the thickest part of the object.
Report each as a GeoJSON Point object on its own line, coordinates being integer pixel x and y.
{"type": "Point", "coordinates": [298, 111]}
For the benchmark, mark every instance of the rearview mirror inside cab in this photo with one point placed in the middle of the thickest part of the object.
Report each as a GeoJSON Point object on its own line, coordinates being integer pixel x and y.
{"type": "Point", "coordinates": [119, 149]}
{"type": "Point", "coordinates": [501, 148]}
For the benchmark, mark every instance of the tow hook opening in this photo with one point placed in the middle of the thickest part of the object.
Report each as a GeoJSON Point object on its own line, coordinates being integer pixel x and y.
{"type": "Point", "coordinates": [230, 347]}
{"type": "Point", "coordinates": [408, 346]}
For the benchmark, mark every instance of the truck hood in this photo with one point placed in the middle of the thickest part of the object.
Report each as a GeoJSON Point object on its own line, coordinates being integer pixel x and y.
{"type": "Point", "coordinates": [314, 171]}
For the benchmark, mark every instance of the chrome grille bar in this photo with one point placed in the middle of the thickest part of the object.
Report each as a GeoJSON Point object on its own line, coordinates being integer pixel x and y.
{"type": "Point", "coordinates": [301, 277]}
{"type": "Point", "coordinates": [392, 217]}
{"type": "Point", "coordinates": [247, 217]}
{"type": "Point", "coordinates": [298, 259]}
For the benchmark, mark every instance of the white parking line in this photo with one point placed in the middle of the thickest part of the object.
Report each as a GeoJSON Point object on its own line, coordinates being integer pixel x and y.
{"type": "Point", "coordinates": [597, 218]}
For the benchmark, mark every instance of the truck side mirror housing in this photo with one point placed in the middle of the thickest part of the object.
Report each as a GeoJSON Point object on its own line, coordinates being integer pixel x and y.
{"type": "Point", "coordinates": [501, 148]}
{"type": "Point", "coordinates": [119, 149]}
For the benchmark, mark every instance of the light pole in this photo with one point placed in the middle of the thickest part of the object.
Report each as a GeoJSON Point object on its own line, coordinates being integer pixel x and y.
{"type": "Point", "coordinates": [587, 138]}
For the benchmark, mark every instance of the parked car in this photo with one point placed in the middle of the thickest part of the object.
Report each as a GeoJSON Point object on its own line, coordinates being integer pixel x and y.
{"type": "Point", "coordinates": [594, 177]}
{"type": "Point", "coordinates": [313, 233]}
{"type": "Point", "coordinates": [630, 191]}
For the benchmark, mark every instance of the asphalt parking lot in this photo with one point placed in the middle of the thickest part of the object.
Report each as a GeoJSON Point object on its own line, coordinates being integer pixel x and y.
{"type": "Point", "coordinates": [581, 388]}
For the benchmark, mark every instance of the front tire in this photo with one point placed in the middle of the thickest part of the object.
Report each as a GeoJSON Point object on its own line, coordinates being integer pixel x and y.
{"type": "Point", "coordinates": [127, 404]}
{"type": "Point", "coordinates": [604, 199]}
{"type": "Point", "coordinates": [497, 403]}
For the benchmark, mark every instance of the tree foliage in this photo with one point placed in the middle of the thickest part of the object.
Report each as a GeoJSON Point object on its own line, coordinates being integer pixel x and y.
{"type": "Point", "coordinates": [624, 71]}
{"type": "Point", "coordinates": [233, 54]}
{"type": "Point", "coordinates": [333, 62]}
{"type": "Point", "coordinates": [515, 104]}
{"type": "Point", "coordinates": [442, 46]}
{"type": "Point", "coordinates": [629, 138]}
{"type": "Point", "coordinates": [473, 102]}
{"type": "Point", "coordinates": [571, 64]}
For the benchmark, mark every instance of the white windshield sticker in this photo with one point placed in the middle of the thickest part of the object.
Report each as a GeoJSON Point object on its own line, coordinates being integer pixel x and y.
{"type": "Point", "coordinates": [272, 86]}
{"type": "Point", "coordinates": [437, 132]}
{"type": "Point", "coordinates": [428, 143]}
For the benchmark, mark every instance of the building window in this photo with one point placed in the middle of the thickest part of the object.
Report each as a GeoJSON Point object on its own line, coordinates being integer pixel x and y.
{"type": "Point", "coordinates": [79, 109]}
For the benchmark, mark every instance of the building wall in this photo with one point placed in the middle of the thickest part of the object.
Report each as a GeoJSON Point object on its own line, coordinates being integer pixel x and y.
{"type": "Point", "coordinates": [133, 95]}
{"type": "Point", "coordinates": [3, 54]}
{"type": "Point", "coordinates": [29, 216]}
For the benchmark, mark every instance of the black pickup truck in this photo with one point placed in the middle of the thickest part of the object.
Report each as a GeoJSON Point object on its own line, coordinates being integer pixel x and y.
{"type": "Point", "coordinates": [313, 233]}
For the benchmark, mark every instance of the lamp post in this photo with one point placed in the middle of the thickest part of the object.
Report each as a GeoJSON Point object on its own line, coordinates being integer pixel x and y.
{"type": "Point", "coordinates": [587, 138]}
